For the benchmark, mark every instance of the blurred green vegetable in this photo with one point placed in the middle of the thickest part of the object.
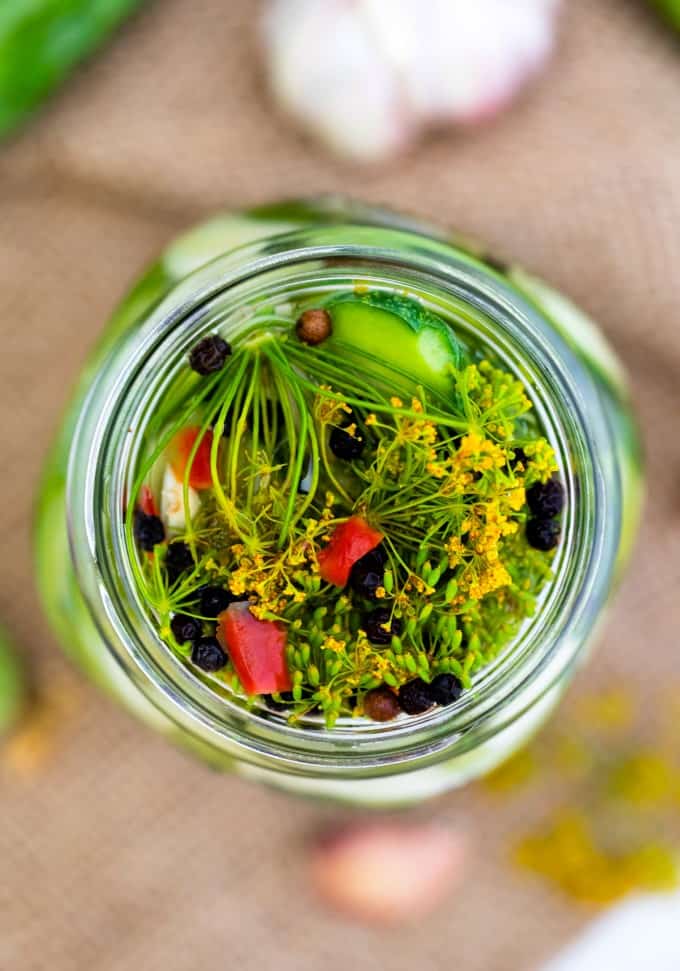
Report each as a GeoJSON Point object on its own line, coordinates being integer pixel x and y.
{"type": "Point", "coordinates": [670, 9]}
{"type": "Point", "coordinates": [12, 685]}
{"type": "Point", "coordinates": [41, 41]}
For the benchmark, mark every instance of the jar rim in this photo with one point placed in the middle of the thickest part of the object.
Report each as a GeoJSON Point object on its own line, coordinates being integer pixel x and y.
{"type": "Point", "coordinates": [534, 660]}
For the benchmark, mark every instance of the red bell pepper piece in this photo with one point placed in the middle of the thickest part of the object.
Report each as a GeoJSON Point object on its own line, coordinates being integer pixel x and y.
{"type": "Point", "coordinates": [348, 543]}
{"type": "Point", "coordinates": [256, 648]}
{"type": "Point", "coordinates": [180, 450]}
{"type": "Point", "coordinates": [147, 503]}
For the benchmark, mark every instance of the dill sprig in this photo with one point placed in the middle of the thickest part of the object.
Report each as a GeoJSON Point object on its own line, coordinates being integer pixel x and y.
{"type": "Point", "coordinates": [443, 480]}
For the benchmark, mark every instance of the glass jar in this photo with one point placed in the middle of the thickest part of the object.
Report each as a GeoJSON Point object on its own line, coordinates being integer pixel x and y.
{"type": "Point", "coordinates": [203, 280]}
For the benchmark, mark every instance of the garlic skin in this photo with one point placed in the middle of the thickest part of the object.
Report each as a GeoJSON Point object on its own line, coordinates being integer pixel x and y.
{"type": "Point", "coordinates": [366, 76]}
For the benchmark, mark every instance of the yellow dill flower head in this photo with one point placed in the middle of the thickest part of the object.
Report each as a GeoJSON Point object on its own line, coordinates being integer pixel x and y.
{"type": "Point", "coordinates": [516, 498]}
{"type": "Point", "coordinates": [333, 644]}
{"type": "Point", "coordinates": [396, 402]}
{"type": "Point", "coordinates": [542, 462]}
{"type": "Point", "coordinates": [371, 419]}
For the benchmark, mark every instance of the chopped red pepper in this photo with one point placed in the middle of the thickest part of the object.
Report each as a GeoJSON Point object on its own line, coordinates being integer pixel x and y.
{"type": "Point", "coordinates": [256, 648]}
{"type": "Point", "coordinates": [147, 503]}
{"type": "Point", "coordinates": [348, 543]}
{"type": "Point", "coordinates": [180, 450]}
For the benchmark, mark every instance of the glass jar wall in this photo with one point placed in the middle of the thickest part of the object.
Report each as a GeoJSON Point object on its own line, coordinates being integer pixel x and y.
{"type": "Point", "coordinates": [202, 282]}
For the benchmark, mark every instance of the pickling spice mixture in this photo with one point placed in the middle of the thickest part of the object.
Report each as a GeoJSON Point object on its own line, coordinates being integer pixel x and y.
{"type": "Point", "coordinates": [345, 511]}
{"type": "Point", "coordinates": [615, 788]}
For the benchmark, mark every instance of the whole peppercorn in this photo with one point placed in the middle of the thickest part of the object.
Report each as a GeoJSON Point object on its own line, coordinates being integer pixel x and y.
{"type": "Point", "coordinates": [519, 455]}
{"type": "Point", "coordinates": [546, 499]}
{"type": "Point", "coordinates": [209, 355]}
{"type": "Point", "coordinates": [208, 655]}
{"type": "Point", "coordinates": [274, 705]}
{"type": "Point", "coordinates": [368, 573]}
{"type": "Point", "coordinates": [214, 600]}
{"type": "Point", "coordinates": [149, 530]}
{"type": "Point", "coordinates": [543, 534]}
{"type": "Point", "coordinates": [445, 689]}
{"type": "Point", "coordinates": [178, 559]}
{"type": "Point", "coordinates": [345, 446]}
{"type": "Point", "coordinates": [376, 632]}
{"type": "Point", "coordinates": [185, 628]}
{"type": "Point", "coordinates": [314, 326]}
{"type": "Point", "coordinates": [381, 704]}
{"type": "Point", "coordinates": [414, 697]}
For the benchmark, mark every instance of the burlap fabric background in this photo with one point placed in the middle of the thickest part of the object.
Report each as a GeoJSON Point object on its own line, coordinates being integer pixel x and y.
{"type": "Point", "coordinates": [119, 853]}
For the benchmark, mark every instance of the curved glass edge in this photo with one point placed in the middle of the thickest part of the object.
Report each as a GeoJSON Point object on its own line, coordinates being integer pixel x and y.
{"type": "Point", "coordinates": [64, 604]}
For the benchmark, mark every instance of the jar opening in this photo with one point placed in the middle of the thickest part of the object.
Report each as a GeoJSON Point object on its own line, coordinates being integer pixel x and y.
{"type": "Point", "coordinates": [483, 310]}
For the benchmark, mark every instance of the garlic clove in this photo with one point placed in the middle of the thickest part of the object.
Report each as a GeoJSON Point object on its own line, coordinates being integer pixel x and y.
{"type": "Point", "coordinates": [173, 512]}
{"type": "Point", "coordinates": [366, 76]}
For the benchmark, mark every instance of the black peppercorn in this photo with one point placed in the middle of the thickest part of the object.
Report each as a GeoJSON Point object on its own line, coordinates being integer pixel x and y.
{"type": "Point", "coordinates": [368, 573]}
{"type": "Point", "coordinates": [178, 559]}
{"type": "Point", "coordinates": [414, 697]}
{"type": "Point", "coordinates": [345, 446]}
{"type": "Point", "coordinates": [213, 600]}
{"type": "Point", "coordinates": [445, 689]}
{"type": "Point", "coordinates": [546, 499]}
{"type": "Point", "coordinates": [185, 628]}
{"type": "Point", "coordinates": [208, 654]}
{"type": "Point", "coordinates": [149, 530]}
{"type": "Point", "coordinates": [543, 534]}
{"type": "Point", "coordinates": [376, 632]}
{"type": "Point", "coordinates": [519, 455]}
{"type": "Point", "coordinates": [209, 355]}
{"type": "Point", "coordinates": [274, 705]}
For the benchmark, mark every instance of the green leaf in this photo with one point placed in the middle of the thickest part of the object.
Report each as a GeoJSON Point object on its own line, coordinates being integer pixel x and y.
{"type": "Point", "coordinates": [40, 43]}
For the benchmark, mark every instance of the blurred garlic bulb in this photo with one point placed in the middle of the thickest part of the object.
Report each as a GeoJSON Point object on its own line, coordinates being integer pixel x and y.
{"type": "Point", "coordinates": [365, 76]}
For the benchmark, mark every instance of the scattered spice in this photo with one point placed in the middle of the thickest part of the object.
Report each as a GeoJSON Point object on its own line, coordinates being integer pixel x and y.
{"type": "Point", "coordinates": [614, 828]}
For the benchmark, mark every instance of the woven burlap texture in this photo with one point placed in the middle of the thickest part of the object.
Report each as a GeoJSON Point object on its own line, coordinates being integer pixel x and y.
{"type": "Point", "coordinates": [118, 853]}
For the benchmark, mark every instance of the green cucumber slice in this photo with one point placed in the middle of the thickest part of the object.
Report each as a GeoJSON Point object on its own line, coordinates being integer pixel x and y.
{"type": "Point", "coordinates": [400, 335]}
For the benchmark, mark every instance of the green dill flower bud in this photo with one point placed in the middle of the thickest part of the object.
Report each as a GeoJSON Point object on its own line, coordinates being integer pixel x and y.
{"type": "Point", "coordinates": [434, 577]}
{"type": "Point", "coordinates": [451, 590]}
{"type": "Point", "coordinates": [388, 581]}
{"type": "Point", "coordinates": [425, 613]}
